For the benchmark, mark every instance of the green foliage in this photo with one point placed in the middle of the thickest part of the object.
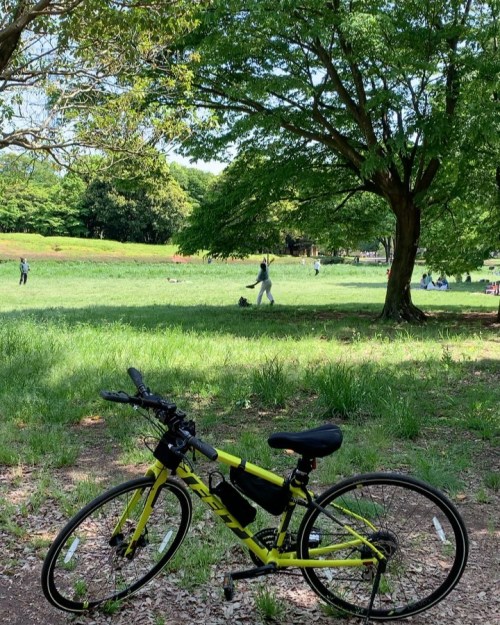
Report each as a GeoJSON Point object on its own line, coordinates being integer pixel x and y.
{"type": "Point", "coordinates": [401, 417]}
{"type": "Point", "coordinates": [245, 204]}
{"type": "Point", "coordinates": [137, 200]}
{"type": "Point", "coordinates": [492, 480]}
{"type": "Point", "coordinates": [438, 472]}
{"type": "Point", "coordinates": [194, 182]}
{"type": "Point", "coordinates": [268, 606]}
{"type": "Point", "coordinates": [271, 383]}
{"type": "Point", "coordinates": [463, 237]}
{"type": "Point", "coordinates": [372, 97]}
{"type": "Point", "coordinates": [93, 97]}
{"type": "Point", "coordinates": [109, 607]}
{"type": "Point", "coordinates": [261, 201]}
{"type": "Point", "coordinates": [33, 198]}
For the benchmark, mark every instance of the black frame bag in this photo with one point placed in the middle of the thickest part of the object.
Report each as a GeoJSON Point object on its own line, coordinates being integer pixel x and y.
{"type": "Point", "coordinates": [274, 499]}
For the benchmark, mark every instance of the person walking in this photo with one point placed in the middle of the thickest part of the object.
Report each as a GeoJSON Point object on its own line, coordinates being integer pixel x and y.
{"type": "Point", "coordinates": [265, 283]}
{"type": "Point", "coordinates": [317, 266]}
{"type": "Point", "coordinates": [23, 268]}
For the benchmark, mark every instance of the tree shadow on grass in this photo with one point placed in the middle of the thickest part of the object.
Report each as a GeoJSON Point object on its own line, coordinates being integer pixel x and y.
{"type": "Point", "coordinates": [295, 322]}
{"type": "Point", "coordinates": [459, 395]}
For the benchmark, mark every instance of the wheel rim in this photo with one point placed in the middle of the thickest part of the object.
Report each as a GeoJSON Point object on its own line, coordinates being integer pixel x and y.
{"type": "Point", "coordinates": [420, 534]}
{"type": "Point", "coordinates": [90, 567]}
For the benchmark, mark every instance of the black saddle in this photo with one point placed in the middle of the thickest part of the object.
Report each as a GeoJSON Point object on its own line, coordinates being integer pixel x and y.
{"type": "Point", "coordinates": [314, 443]}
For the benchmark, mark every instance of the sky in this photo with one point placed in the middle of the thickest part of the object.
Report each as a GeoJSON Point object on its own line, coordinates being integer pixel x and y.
{"type": "Point", "coordinates": [214, 167]}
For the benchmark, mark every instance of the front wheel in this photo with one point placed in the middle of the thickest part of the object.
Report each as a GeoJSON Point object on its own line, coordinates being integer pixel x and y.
{"type": "Point", "coordinates": [86, 565]}
{"type": "Point", "coordinates": [419, 531]}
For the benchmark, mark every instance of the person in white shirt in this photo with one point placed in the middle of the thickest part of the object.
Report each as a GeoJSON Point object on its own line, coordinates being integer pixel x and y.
{"type": "Point", "coordinates": [265, 283]}
{"type": "Point", "coordinates": [317, 266]}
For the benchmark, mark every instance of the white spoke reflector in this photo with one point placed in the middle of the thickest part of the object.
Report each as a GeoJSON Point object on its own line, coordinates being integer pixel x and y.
{"type": "Point", "coordinates": [165, 541]}
{"type": "Point", "coordinates": [439, 529]}
{"type": "Point", "coordinates": [71, 550]}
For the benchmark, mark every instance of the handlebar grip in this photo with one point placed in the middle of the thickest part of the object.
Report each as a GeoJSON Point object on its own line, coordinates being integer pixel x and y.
{"type": "Point", "coordinates": [203, 448]}
{"type": "Point", "coordinates": [120, 397]}
{"type": "Point", "coordinates": [136, 378]}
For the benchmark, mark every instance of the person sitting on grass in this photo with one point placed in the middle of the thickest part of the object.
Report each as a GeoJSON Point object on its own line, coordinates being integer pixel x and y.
{"type": "Point", "coordinates": [442, 283]}
{"type": "Point", "coordinates": [493, 288]}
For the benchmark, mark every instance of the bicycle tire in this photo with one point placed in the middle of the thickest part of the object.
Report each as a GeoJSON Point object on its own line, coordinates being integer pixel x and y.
{"type": "Point", "coordinates": [415, 525]}
{"type": "Point", "coordinates": [83, 569]}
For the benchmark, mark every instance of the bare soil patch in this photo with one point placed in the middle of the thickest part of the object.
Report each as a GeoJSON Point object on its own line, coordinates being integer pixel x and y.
{"type": "Point", "coordinates": [166, 601]}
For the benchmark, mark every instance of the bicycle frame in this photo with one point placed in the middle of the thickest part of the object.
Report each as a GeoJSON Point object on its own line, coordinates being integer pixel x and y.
{"type": "Point", "coordinates": [275, 556]}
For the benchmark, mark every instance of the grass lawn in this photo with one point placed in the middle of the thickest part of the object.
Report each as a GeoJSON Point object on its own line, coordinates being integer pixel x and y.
{"type": "Point", "coordinates": [421, 399]}
{"type": "Point", "coordinates": [76, 326]}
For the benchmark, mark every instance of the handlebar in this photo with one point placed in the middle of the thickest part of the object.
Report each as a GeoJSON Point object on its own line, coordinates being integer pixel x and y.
{"type": "Point", "coordinates": [147, 401]}
{"type": "Point", "coordinates": [204, 448]}
{"type": "Point", "coordinates": [120, 397]}
{"type": "Point", "coordinates": [136, 377]}
{"type": "Point", "coordinates": [165, 411]}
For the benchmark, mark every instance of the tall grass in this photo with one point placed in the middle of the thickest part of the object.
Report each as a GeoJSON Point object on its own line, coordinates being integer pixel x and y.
{"type": "Point", "coordinates": [76, 327]}
{"type": "Point", "coordinates": [271, 383]}
{"type": "Point", "coordinates": [343, 390]}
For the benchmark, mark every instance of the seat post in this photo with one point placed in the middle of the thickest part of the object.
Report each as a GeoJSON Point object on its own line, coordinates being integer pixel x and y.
{"type": "Point", "coordinates": [300, 475]}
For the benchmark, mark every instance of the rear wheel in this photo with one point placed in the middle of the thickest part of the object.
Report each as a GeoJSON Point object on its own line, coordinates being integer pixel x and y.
{"type": "Point", "coordinates": [86, 566]}
{"type": "Point", "coordinates": [418, 530]}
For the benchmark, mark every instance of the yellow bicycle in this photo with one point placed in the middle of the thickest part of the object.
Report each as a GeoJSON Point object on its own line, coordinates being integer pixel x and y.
{"type": "Point", "coordinates": [378, 546]}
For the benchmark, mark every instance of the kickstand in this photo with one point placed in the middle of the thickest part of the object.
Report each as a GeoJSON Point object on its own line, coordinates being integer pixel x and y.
{"type": "Point", "coordinates": [376, 583]}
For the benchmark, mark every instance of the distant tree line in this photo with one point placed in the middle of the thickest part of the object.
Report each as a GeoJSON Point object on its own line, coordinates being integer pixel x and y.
{"type": "Point", "coordinates": [141, 202]}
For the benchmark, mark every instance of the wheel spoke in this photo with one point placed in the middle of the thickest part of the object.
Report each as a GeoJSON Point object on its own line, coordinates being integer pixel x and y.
{"type": "Point", "coordinates": [416, 528]}
{"type": "Point", "coordinates": [83, 568]}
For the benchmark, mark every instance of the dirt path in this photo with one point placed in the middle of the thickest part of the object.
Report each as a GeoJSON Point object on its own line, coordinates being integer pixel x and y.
{"type": "Point", "coordinates": [476, 600]}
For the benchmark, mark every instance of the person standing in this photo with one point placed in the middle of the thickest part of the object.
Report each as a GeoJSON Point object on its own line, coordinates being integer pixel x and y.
{"type": "Point", "coordinates": [317, 266]}
{"type": "Point", "coordinates": [265, 283]}
{"type": "Point", "coordinates": [23, 268]}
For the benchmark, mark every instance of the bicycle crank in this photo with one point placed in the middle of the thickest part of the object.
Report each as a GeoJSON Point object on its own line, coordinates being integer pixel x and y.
{"type": "Point", "coordinates": [267, 537]}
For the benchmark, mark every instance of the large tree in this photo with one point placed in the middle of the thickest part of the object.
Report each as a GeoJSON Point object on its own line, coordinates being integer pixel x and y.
{"type": "Point", "coordinates": [385, 92]}
{"type": "Point", "coordinates": [67, 72]}
{"type": "Point", "coordinates": [262, 202]}
{"type": "Point", "coordinates": [135, 201]}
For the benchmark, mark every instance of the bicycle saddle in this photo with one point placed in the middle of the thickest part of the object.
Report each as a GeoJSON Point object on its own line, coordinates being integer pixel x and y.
{"type": "Point", "coordinates": [315, 443]}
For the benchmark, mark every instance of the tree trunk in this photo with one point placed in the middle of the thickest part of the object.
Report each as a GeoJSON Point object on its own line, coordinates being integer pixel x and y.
{"type": "Point", "coordinates": [398, 305]}
{"type": "Point", "coordinates": [386, 244]}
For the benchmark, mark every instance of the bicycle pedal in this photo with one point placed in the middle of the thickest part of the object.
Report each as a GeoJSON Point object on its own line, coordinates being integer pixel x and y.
{"type": "Point", "coordinates": [228, 586]}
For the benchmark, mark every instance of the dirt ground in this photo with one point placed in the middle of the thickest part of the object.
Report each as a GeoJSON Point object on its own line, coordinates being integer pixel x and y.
{"type": "Point", "coordinates": [476, 599]}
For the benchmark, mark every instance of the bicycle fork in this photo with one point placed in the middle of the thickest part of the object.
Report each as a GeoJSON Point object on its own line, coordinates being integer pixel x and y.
{"type": "Point", "coordinates": [161, 474]}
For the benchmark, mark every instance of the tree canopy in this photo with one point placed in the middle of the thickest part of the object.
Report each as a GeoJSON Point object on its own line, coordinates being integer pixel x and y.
{"type": "Point", "coordinates": [260, 202]}
{"type": "Point", "coordinates": [134, 200]}
{"type": "Point", "coordinates": [386, 95]}
{"type": "Point", "coordinates": [67, 72]}
{"type": "Point", "coordinates": [336, 113]}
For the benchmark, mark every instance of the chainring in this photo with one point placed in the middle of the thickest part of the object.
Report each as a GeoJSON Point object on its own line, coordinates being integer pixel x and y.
{"type": "Point", "coordinates": [267, 537]}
